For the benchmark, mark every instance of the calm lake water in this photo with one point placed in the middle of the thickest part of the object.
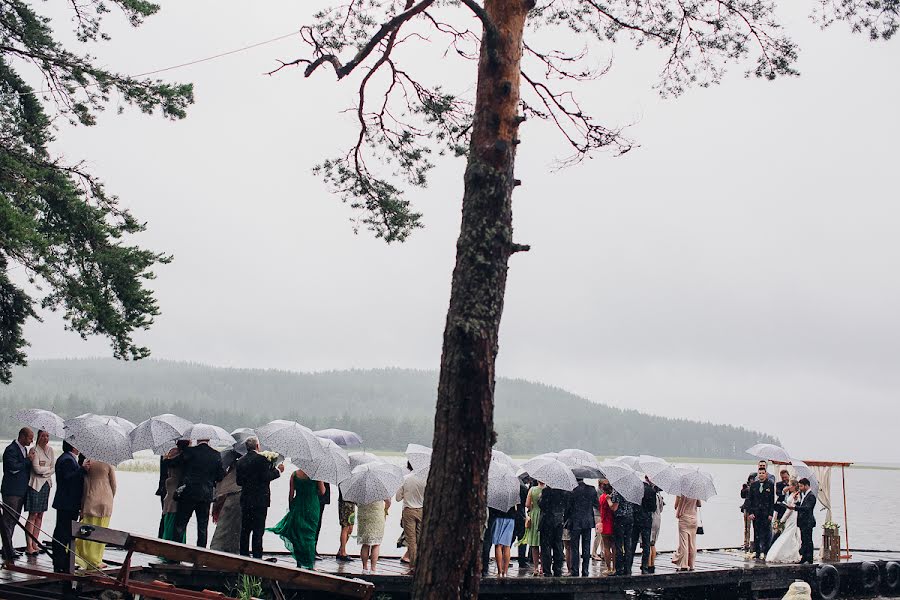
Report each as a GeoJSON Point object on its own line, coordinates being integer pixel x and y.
{"type": "Point", "coordinates": [872, 514]}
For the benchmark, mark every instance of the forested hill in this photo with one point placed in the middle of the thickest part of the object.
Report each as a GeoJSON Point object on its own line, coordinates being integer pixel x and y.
{"type": "Point", "coordinates": [388, 407]}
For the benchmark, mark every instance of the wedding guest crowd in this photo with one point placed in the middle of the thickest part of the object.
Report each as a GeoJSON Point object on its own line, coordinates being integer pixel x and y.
{"type": "Point", "coordinates": [550, 527]}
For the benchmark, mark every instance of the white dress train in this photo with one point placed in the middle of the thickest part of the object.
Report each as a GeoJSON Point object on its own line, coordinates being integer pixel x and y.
{"type": "Point", "coordinates": [786, 548]}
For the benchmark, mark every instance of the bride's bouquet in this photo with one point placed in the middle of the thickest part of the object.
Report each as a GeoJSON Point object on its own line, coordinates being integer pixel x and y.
{"type": "Point", "coordinates": [269, 455]}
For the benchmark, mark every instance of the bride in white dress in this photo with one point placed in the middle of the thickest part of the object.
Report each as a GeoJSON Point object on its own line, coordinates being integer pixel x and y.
{"type": "Point", "coordinates": [786, 548]}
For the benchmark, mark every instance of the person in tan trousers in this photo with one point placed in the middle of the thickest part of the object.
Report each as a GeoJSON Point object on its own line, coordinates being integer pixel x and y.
{"type": "Point", "coordinates": [412, 493]}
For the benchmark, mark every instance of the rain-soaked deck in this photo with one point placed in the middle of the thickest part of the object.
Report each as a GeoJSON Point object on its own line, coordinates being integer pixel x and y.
{"type": "Point", "coordinates": [718, 574]}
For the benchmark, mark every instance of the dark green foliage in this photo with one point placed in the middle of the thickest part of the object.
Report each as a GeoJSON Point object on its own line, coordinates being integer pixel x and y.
{"type": "Point", "coordinates": [59, 228]}
{"type": "Point", "coordinates": [388, 407]}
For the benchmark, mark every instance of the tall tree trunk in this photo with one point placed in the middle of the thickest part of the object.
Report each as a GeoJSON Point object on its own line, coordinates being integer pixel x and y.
{"type": "Point", "coordinates": [449, 560]}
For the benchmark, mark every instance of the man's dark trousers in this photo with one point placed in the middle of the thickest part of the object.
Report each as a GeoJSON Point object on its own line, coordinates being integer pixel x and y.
{"type": "Point", "coordinates": [186, 507]}
{"type": "Point", "coordinates": [806, 545]}
{"type": "Point", "coordinates": [762, 534]}
{"type": "Point", "coordinates": [640, 532]}
{"type": "Point", "coordinates": [580, 546]}
{"type": "Point", "coordinates": [622, 527]}
{"type": "Point", "coordinates": [8, 525]}
{"type": "Point", "coordinates": [253, 525]}
{"type": "Point", "coordinates": [62, 537]}
{"type": "Point", "coordinates": [552, 557]}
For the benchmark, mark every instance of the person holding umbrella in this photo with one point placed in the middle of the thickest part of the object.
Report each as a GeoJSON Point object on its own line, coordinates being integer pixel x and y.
{"type": "Point", "coordinates": [255, 473]}
{"type": "Point", "coordinates": [202, 471]}
{"type": "Point", "coordinates": [37, 496]}
{"type": "Point", "coordinates": [299, 526]}
{"type": "Point", "coordinates": [96, 509]}
{"type": "Point", "coordinates": [67, 502]}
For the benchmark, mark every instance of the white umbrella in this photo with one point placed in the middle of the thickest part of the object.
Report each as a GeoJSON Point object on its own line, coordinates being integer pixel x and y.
{"type": "Point", "coordinates": [575, 457]}
{"type": "Point", "coordinates": [40, 419]}
{"type": "Point", "coordinates": [651, 465]}
{"type": "Point", "coordinates": [372, 482]}
{"type": "Point", "coordinates": [90, 418]}
{"type": "Point", "coordinates": [696, 484]}
{"type": "Point", "coordinates": [361, 458]}
{"type": "Point", "coordinates": [769, 452]}
{"type": "Point", "coordinates": [156, 431]}
{"type": "Point", "coordinates": [632, 461]}
{"type": "Point", "coordinates": [552, 472]}
{"type": "Point", "coordinates": [504, 459]}
{"type": "Point", "coordinates": [127, 425]}
{"type": "Point", "coordinates": [624, 480]}
{"type": "Point", "coordinates": [241, 435]}
{"type": "Point", "coordinates": [666, 479]}
{"type": "Point", "coordinates": [419, 457]}
{"type": "Point", "coordinates": [291, 439]}
{"type": "Point", "coordinates": [215, 434]}
{"type": "Point", "coordinates": [102, 441]}
{"type": "Point", "coordinates": [503, 487]}
{"type": "Point", "coordinates": [331, 467]}
{"type": "Point", "coordinates": [802, 470]}
{"type": "Point", "coordinates": [340, 437]}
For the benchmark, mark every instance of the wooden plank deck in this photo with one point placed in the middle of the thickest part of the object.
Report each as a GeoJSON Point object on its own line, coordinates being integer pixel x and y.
{"type": "Point", "coordinates": [716, 567]}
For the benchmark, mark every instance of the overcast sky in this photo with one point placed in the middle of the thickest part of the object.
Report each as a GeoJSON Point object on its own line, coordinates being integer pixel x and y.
{"type": "Point", "coordinates": [740, 267]}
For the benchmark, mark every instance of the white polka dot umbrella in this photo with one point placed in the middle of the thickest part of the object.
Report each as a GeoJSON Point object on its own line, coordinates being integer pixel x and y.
{"type": "Point", "coordinates": [361, 458]}
{"type": "Point", "coordinates": [552, 472]}
{"type": "Point", "coordinates": [577, 458]}
{"type": "Point", "coordinates": [372, 482]}
{"type": "Point", "coordinates": [624, 480]}
{"type": "Point", "coordinates": [503, 487]}
{"type": "Point", "coordinates": [156, 431]}
{"type": "Point", "coordinates": [101, 440]}
{"type": "Point", "coordinates": [695, 483]}
{"type": "Point", "coordinates": [504, 459]}
{"type": "Point", "coordinates": [39, 419]}
{"type": "Point", "coordinates": [419, 457]}
{"type": "Point", "coordinates": [217, 436]}
{"type": "Point", "coordinates": [331, 467]}
{"type": "Point", "coordinates": [291, 439]}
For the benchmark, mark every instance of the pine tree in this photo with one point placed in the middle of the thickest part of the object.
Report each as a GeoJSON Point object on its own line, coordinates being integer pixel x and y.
{"type": "Point", "coordinates": [60, 230]}
{"type": "Point", "coordinates": [403, 121]}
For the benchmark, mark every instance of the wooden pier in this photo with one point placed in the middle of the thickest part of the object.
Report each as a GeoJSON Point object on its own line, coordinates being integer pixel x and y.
{"type": "Point", "coordinates": [720, 574]}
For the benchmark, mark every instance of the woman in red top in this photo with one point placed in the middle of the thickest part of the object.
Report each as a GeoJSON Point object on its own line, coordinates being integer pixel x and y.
{"type": "Point", "coordinates": [605, 528]}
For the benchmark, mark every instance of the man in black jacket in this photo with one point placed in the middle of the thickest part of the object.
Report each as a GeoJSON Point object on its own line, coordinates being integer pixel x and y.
{"type": "Point", "coordinates": [643, 526]}
{"type": "Point", "coordinates": [806, 520]}
{"type": "Point", "coordinates": [254, 474]}
{"type": "Point", "coordinates": [579, 520]}
{"type": "Point", "coordinates": [16, 474]}
{"type": "Point", "coordinates": [67, 502]}
{"type": "Point", "coordinates": [761, 506]}
{"type": "Point", "coordinates": [553, 509]}
{"type": "Point", "coordinates": [202, 468]}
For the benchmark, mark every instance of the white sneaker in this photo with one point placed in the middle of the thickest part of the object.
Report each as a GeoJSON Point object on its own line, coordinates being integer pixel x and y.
{"type": "Point", "coordinates": [762, 557]}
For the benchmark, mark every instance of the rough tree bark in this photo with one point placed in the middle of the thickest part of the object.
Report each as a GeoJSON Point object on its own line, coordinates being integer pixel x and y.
{"type": "Point", "coordinates": [455, 498]}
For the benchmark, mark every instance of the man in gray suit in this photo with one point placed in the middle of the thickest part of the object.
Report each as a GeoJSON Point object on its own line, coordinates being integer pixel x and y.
{"type": "Point", "coordinates": [16, 473]}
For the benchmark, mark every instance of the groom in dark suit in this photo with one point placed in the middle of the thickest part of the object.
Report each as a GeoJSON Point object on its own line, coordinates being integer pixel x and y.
{"type": "Point", "coordinates": [761, 506]}
{"type": "Point", "coordinates": [16, 473]}
{"type": "Point", "coordinates": [806, 520]}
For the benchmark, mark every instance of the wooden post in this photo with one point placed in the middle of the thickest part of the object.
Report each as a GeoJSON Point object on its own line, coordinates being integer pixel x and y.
{"type": "Point", "coordinates": [846, 530]}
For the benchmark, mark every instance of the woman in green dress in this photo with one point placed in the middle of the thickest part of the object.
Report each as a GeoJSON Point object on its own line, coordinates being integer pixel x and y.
{"type": "Point", "coordinates": [533, 524]}
{"type": "Point", "coordinates": [298, 527]}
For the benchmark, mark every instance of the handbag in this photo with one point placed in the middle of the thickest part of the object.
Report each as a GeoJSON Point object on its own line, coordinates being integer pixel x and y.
{"type": "Point", "coordinates": [179, 492]}
{"type": "Point", "coordinates": [700, 520]}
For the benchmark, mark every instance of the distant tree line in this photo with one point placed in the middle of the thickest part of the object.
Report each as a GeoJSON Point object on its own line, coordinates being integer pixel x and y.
{"type": "Point", "coordinates": [387, 407]}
